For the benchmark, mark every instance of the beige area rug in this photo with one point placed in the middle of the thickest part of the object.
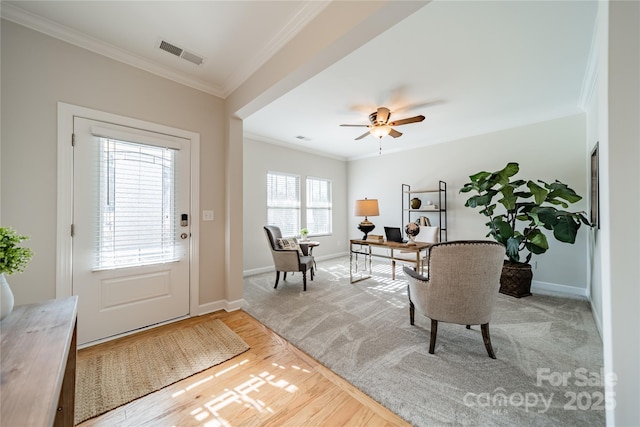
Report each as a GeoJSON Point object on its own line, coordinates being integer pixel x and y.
{"type": "Point", "coordinates": [116, 377]}
{"type": "Point", "coordinates": [362, 332]}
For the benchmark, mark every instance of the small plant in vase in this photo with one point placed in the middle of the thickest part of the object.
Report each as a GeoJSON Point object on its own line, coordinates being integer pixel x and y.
{"type": "Point", "coordinates": [13, 259]}
{"type": "Point", "coordinates": [303, 234]}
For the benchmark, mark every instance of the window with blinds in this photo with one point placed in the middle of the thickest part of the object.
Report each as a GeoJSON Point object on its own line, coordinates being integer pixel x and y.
{"type": "Point", "coordinates": [319, 206]}
{"type": "Point", "coordinates": [283, 202]}
{"type": "Point", "coordinates": [136, 223]}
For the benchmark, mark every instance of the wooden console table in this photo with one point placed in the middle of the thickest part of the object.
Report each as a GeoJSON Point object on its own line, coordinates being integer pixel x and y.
{"type": "Point", "coordinates": [362, 248]}
{"type": "Point", "coordinates": [38, 369]}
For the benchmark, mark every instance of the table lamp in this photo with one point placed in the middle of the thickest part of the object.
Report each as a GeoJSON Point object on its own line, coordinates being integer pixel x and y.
{"type": "Point", "coordinates": [366, 207]}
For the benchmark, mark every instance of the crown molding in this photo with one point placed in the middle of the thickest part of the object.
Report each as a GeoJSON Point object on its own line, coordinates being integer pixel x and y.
{"type": "Point", "coordinates": [291, 146]}
{"type": "Point", "coordinates": [27, 19]}
{"type": "Point", "coordinates": [66, 34]}
{"type": "Point", "coordinates": [310, 10]}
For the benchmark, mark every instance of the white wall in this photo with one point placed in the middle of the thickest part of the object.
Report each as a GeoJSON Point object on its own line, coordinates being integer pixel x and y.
{"type": "Point", "coordinates": [547, 151]}
{"type": "Point", "coordinates": [260, 158]}
{"type": "Point", "coordinates": [619, 130]}
{"type": "Point", "coordinates": [37, 72]}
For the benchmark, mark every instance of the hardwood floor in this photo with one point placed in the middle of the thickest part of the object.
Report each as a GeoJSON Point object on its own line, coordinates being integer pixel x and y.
{"type": "Point", "coordinates": [272, 384]}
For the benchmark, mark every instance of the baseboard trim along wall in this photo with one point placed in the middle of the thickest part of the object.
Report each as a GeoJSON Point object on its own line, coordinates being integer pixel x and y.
{"type": "Point", "coordinates": [225, 305]}
{"type": "Point", "coordinates": [546, 288]}
{"type": "Point", "coordinates": [261, 270]}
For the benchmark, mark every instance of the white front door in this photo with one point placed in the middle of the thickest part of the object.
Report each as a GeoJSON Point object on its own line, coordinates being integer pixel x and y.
{"type": "Point", "coordinates": [131, 228]}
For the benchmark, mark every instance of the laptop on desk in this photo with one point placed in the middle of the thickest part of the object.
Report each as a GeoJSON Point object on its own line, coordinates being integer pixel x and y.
{"type": "Point", "coordinates": [394, 234]}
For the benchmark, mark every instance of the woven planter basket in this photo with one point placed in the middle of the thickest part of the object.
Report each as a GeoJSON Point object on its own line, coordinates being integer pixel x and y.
{"type": "Point", "coordinates": [516, 279]}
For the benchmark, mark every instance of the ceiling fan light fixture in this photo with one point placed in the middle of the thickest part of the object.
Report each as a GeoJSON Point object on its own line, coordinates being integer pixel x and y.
{"type": "Point", "coordinates": [380, 131]}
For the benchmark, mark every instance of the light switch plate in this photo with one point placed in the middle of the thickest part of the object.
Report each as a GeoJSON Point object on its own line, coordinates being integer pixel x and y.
{"type": "Point", "coordinates": [207, 215]}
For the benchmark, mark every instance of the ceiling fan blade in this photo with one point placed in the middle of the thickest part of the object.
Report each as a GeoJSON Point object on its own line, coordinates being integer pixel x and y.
{"type": "Point", "coordinates": [407, 121]}
{"type": "Point", "coordinates": [356, 126]}
{"type": "Point", "coordinates": [394, 133]}
{"type": "Point", "coordinates": [363, 135]}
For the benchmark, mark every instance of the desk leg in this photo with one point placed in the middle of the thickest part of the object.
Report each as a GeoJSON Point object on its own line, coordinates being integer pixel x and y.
{"type": "Point", "coordinates": [356, 269]}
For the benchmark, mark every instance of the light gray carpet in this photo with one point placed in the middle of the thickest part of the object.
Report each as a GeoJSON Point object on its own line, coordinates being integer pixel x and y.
{"type": "Point", "coordinates": [362, 333]}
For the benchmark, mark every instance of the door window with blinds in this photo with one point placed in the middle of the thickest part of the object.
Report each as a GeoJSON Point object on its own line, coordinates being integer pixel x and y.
{"type": "Point", "coordinates": [319, 206]}
{"type": "Point", "coordinates": [137, 202]}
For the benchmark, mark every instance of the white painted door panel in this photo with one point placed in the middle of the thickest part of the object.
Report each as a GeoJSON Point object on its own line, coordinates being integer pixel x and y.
{"type": "Point", "coordinates": [130, 248]}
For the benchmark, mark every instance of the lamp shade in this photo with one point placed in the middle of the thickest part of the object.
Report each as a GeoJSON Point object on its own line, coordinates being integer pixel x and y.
{"type": "Point", "coordinates": [366, 207]}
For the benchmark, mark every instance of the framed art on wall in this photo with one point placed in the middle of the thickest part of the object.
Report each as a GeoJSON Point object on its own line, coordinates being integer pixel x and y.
{"type": "Point", "coordinates": [594, 184]}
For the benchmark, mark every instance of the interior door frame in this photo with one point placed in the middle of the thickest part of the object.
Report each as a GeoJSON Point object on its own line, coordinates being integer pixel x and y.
{"type": "Point", "coordinates": [66, 113]}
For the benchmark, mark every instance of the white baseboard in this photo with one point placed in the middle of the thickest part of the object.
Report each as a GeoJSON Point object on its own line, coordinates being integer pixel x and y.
{"type": "Point", "coordinates": [220, 305]}
{"type": "Point", "coordinates": [547, 288]}
{"type": "Point", "coordinates": [597, 320]}
{"type": "Point", "coordinates": [261, 270]}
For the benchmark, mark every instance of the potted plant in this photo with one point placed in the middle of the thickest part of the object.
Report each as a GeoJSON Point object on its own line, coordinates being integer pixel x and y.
{"type": "Point", "coordinates": [304, 233]}
{"type": "Point", "coordinates": [13, 259]}
{"type": "Point", "coordinates": [527, 209]}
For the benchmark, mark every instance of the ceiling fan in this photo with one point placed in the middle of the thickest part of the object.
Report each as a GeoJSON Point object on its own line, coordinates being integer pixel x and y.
{"type": "Point", "coordinates": [381, 126]}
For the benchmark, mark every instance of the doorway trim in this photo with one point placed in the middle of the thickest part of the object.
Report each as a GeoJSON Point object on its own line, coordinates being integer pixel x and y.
{"type": "Point", "coordinates": [66, 113]}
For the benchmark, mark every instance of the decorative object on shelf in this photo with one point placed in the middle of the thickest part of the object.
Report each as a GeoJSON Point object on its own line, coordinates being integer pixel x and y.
{"type": "Point", "coordinates": [535, 208]}
{"type": "Point", "coordinates": [412, 230]}
{"type": "Point", "coordinates": [366, 208]}
{"type": "Point", "coordinates": [424, 221]}
{"type": "Point", "coordinates": [416, 203]}
{"type": "Point", "coordinates": [13, 259]}
{"type": "Point", "coordinates": [303, 234]}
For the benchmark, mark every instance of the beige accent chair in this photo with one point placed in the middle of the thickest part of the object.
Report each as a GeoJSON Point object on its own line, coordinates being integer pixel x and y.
{"type": "Point", "coordinates": [288, 260]}
{"type": "Point", "coordinates": [462, 287]}
{"type": "Point", "coordinates": [427, 234]}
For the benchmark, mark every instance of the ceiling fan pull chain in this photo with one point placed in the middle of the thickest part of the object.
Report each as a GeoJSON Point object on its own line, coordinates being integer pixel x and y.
{"type": "Point", "coordinates": [380, 152]}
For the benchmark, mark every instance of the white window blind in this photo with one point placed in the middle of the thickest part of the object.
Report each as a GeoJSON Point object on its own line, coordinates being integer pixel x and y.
{"type": "Point", "coordinates": [137, 205]}
{"type": "Point", "coordinates": [319, 206]}
{"type": "Point", "coordinates": [283, 202]}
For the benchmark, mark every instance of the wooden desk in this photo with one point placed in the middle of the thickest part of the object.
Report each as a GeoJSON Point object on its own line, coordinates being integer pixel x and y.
{"type": "Point", "coordinates": [38, 369]}
{"type": "Point", "coordinates": [359, 247]}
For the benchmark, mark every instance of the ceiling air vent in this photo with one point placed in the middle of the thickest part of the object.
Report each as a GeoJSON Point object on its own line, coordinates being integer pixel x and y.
{"type": "Point", "coordinates": [178, 51]}
{"type": "Point", "coordinates": [191, 57]}
{"type": "Point", "coordinates": [168, 47]}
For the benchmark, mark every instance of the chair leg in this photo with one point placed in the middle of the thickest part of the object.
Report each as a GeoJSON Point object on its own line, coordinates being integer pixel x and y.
{"type": "Point", "coordinates": [304, 280]}
{"type": "Point", "coordinates": [412, 313]}
{"type": "Point", "coordinates": [412, 308]}
{"type": "Point", "coordinates": [434, 332]}
{"type": "Point", "coordinates": [393, 270]}
{"type": "Point", "coordinates": [487, 340]}
{"type": "Point", "coordinates": [468, 326]}
{"type": "Point", "coordinates": [285, 276]}
{"type": "Point", "coordinates": [277, 279]}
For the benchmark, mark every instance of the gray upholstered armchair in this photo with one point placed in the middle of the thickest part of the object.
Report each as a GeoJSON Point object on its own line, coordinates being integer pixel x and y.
{"type": "Point", "coordinates": [462, 287]}
{"type": "Point", "coordinates": [288, 260]}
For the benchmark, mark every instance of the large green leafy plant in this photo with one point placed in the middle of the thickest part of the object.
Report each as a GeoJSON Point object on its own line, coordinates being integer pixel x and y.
{"type": "Point", "coordinates": [532, 205]}
{"type": "Point", "coordinates": [13, 257]}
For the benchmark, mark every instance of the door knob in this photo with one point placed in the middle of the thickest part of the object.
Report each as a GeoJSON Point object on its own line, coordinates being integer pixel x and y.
{"type": "Point", "coordinates": [184, 236]}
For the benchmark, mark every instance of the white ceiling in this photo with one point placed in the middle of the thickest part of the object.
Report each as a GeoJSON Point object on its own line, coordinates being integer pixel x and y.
{"type": "Point", "coordinates": [470, 67]}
